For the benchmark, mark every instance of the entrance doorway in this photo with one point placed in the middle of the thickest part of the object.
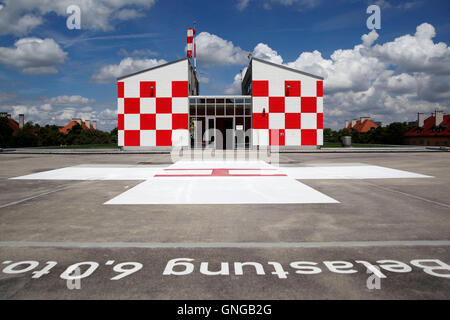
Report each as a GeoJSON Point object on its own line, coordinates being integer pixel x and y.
{"type": "Point", "coordinates": [224, 124]}
{"type": "Point", "coordinates": [211, 116]}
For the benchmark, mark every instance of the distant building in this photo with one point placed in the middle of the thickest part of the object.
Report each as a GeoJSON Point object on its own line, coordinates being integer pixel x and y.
{"type": "Point", "coordinates": [434, 131]}
{"type": "Point", "coordinates": [16, 126]}
{"type": "Point", "coordinates": [364, 124]}
{"type": "Point", "coordinates": [85, 125]}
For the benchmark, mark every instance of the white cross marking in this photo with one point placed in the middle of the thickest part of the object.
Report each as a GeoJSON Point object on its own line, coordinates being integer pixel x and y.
{"type": "Point", "coordinates": [221, 182]}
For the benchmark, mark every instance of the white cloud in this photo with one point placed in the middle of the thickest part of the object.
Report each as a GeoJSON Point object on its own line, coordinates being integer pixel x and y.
{"type": "Point", "coordinates": [203, 79]}
{"type": "Point", "coordinates": [45, 114]}
{"type": "Point", "coordinates": [23, 25]}
{"type": "Point", "coordinates": [370, 38]}
{"type": "Point", "coordinates": [384, 4]}
{"type": "Point", "coordinates": [109, 73]}
{"type": "Point", "coordinates": [267, 4]}
{"type": "Point", "coordinates": [19, 17]}
{"type": "Point", "coordinates": [263, 51]}
{"type": "Point", "coordinates": [416, 53]}
{"type": "Point", "coordinates": [212, 50]}
{"type": "Point", "coordinates": [128, 14]}
{"type": "Point", "coordinates": [390, 82]}
{"type": "Point", "coordinates": [66, 100]}
{"type": "Point", "coordinates": [242, 4]}
{"type": "Point", "coordinates": [33, 56]}
{"type": "Point", "coordinates": [46, 107]}
{"type": "Point", "coordinates": [137, 52]}
{"type": "Point", "coordinates": [236, 87]}
{"type": "Point", "coordinates": [86, 109]}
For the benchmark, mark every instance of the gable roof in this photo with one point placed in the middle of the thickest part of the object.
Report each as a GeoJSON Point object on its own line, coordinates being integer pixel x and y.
{"type": "Point", "coordinates": [72, 123]}
{"type": "Point", "coordinates": [152, 68]}
{"type": "Point", "coordinates": [286, 68]}
{"type": "Point", "coordinates": [13, 124]}
{"type": "Point", "coordinates": [365, 126]}
{"type": "Point", "coordinates": [428, 126]}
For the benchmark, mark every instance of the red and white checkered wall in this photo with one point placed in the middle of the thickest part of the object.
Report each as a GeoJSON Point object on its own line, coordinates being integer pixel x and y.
{"type": "Point", "coordinates": [153, 119]}
{"type": "Point", "coordinates": [286, 112]}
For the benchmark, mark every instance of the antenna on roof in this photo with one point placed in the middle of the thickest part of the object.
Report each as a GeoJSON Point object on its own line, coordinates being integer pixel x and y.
{"type": "Point", "coordinates": [195, 49]}
{"type": "Point", "coordinates": [191, 45]}
{"type": "Point", "coordinates": [249, 56]}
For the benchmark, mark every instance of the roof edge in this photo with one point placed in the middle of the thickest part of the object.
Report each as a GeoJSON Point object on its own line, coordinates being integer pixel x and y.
{"type": "Point", "coordinates": [287, 68]}
{"type": "Point", "coordinates": [152, 68]}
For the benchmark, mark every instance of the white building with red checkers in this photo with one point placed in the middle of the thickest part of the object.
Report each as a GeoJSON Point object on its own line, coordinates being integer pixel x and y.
{"type": "Point", "coordinates": [160, 108]}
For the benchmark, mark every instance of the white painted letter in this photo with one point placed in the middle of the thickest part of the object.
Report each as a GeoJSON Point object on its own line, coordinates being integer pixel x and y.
{"type": "Point", "coordinates": [135, 267]}
{"type": "Point", "coordinates": [66, 275]}
{"type": "Point", "coordinates": [429, 269]}
{"type": "Point", "coordinates": [371, 268]}
{"type": "Point", "coordinates": [337, 266]}
{"type": "Point", "coordinates": [279, 271]}
{"type": "Point", "coordinates": [394, 266]}
{"type": "Point", "coordinates": [31, 265]}
{"type": "Point", "coordinates": [189, 267]}
{"type": "Point", "coordinates": [238, 268]}
{"type": "Point", "coordinates": [224, 269]}
{"type": "Point", "coordinates": [301, 269]}
{"type": "Point", "coordinates": [46, 270]}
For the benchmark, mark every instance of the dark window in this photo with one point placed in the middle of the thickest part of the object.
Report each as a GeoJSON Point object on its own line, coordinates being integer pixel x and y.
{"type": "Point", "coordinates": [239, 109]}
{"type": "Point", "coordinates": [248, 109]}
{"type": "Point", "coordinates": [200, 109]}
{"type": "Point", "coordinates": [220, 110]}
{"type": "Point", "coordinates": [248, 123]}
{"type": "Point", "coordinates": [210, 109]}
{"type": "Point", "coordinates": [192, 109]}
{"type": "Point", "coordinates": [230, 110]}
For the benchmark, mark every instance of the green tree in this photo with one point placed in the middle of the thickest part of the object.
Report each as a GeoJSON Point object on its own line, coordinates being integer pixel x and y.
{"type": "Point", "coordinates": [26, 137]}
{"type": "Point", "coordinates": [5, 133]}
{"type": "Point", "coordinates": [113, 135]}
{"type": "Point", "coordinates": [50, 136]}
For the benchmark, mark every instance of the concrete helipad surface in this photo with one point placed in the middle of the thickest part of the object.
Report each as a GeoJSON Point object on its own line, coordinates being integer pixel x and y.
{"type": "Point", "coordinates": [139, 226]}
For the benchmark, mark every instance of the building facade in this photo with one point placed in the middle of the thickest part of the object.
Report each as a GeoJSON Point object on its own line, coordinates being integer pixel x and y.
{"type": "Point", "coordinates": [160, 108]}
{"type": "Point", "coordinates": [433, 131]}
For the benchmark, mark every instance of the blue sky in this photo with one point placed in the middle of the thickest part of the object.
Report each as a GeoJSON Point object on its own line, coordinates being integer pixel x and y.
{"type": "Point", "coordinates": [51, 73]}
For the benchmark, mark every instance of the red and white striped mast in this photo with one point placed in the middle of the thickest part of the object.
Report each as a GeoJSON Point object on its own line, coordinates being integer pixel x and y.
{"type": "Point", "coordinates": [191, 45]}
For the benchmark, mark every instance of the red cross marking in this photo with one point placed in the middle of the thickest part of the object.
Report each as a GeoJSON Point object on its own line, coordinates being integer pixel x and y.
{"type": "Point", "coordinates": [221, 172]}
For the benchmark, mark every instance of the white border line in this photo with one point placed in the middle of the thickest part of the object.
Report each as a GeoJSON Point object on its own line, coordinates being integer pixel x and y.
{"type": "Point", "coordinates": [186, 245]}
